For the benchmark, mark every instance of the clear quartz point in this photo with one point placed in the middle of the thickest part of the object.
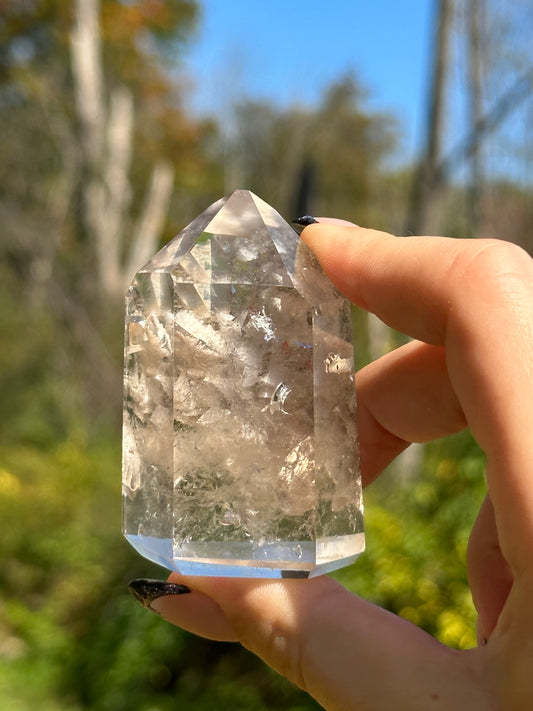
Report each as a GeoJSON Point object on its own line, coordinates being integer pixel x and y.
{"type": "Point", "coordinates": [240, 453]}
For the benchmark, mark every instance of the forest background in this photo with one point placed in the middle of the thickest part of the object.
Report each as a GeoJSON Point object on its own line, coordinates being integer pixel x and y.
{"type": "Point", "coordinates": [101, 162]}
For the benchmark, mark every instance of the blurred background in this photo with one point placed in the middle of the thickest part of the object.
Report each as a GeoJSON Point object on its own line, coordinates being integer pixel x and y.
{"type": "Point", "coordinates": [121, 120]}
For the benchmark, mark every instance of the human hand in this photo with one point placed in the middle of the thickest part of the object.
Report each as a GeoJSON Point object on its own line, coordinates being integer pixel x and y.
{"type": "Point", "coordinates": [469, 306]}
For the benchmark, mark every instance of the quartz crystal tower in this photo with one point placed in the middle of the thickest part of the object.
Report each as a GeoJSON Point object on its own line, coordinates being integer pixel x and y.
{"type": "Point", "coordinates": [240, 447]}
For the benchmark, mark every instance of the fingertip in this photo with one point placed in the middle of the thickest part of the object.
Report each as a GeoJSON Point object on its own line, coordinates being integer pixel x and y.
{"type": "Point", "coordinates": [331, 241]}
{"type": "Point", "coordinates": [330, 234]}
{"type": "Point", "coordinates": [196, 613]}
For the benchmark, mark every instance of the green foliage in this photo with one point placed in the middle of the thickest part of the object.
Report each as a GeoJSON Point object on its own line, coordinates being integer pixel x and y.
{"type": "Point", "coordinates": [72, 638]}
{"type": "Point", "coordinates": [38, 402]}
{"type": "Point", "coordinates": [53, 552]}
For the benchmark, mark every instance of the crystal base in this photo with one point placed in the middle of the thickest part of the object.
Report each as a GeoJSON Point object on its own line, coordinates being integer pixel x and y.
{"type": "Point", "coordinates": [283, 559]}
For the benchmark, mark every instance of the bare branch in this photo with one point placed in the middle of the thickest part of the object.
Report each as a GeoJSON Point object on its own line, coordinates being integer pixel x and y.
{"type": "Point", "coordinates": [506, 104]}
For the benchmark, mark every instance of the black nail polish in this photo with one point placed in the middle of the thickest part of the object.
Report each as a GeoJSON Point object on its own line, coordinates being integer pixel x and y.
{"type": "Point", "coordinates": [145, 590]}
{"type": "Point", "coordinates": [302, 222]}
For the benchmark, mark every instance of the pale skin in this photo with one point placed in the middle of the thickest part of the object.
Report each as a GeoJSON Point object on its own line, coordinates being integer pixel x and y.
{"type": "Point", "coordinates": [468, 305]}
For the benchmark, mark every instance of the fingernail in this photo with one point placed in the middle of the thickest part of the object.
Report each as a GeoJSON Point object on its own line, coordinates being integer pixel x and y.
{"type": "Point", "coordinates": [302, 222]}
{"type": "Point", "coordinates": [145, 591]}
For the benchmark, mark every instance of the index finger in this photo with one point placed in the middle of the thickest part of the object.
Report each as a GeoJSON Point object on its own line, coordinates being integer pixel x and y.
{"type": "Point", "coordinates": [474, 298]}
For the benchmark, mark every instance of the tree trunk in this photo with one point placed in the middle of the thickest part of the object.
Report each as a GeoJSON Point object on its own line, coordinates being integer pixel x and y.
{"type": "Point", "coordinates": [475, 112]}
{"type": "Point", "coordinates": [425, 185]}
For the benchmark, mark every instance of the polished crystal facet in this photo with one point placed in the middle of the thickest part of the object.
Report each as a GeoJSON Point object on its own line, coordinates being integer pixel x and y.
{"type": "Point", "coordinates": [240, 448]}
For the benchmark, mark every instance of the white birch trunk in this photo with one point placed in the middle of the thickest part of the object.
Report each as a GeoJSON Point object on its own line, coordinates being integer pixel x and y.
{"type": "Point", "coordinates": [107, 138]}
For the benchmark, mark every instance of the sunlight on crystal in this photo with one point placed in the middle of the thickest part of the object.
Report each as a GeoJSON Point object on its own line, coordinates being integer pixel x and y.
{"type": "Point", "coordinates": [240, 447]}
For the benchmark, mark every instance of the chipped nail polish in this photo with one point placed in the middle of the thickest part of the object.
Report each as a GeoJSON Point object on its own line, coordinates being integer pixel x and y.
{"type": "Point", "coordinates": [301, 222]}
{"type": "Point", "coordinates": [146, 590]}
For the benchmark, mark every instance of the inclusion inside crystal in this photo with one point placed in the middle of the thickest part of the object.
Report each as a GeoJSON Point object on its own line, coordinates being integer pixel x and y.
{"type": "Point", "coordinates": [240, 447]}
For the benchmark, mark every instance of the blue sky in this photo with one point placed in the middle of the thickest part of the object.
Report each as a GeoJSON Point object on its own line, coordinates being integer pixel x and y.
{"type": "Point", "coordinates": [288, 51]}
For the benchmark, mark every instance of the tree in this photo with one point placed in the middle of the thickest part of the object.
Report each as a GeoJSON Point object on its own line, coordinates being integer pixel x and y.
{"type": "Point", "coordinates": [499, 78]}
{"type": "Point", "coordinates": [425, 182]}
{"type": "Point", "coordinates": [95, 140]}
{"type": "Point", "coordinates": [339, 146]}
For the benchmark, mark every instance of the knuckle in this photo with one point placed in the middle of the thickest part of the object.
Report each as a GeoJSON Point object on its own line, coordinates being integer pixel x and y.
{"type": "Point", "coordinates": [503, 268]}
{"type": "Point", "coordinates": [500, 259]}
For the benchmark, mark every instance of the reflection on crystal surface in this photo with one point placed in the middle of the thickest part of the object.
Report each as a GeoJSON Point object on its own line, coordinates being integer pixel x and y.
{"type": "Point", "coordinates": [240, 447]}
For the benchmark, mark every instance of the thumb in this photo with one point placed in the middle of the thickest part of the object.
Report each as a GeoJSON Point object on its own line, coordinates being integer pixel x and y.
{"type": "Point", "coordinates": [332, 644]}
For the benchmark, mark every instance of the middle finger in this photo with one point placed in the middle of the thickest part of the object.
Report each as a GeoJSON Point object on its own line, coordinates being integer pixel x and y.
{"type": "Point", "coordinates": [403, 397]}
